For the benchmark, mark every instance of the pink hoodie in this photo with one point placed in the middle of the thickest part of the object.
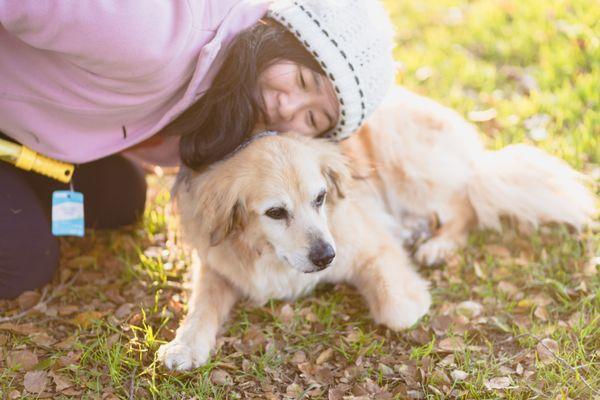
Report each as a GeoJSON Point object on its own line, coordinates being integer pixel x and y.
{"type": "Point", "coordinates": [83, 79]}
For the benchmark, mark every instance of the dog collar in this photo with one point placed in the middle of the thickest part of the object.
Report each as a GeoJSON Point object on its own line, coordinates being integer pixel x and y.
{"type": "Point", "coordinates": [251, 139]}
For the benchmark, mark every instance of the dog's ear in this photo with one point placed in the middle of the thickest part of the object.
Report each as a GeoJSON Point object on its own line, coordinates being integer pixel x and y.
{"type": "Point", "coordinates": [211, 207]}
{"type": "Point", "coordinates": [335, 170]}
{"type": "Point", "coordinates": [228, 220]}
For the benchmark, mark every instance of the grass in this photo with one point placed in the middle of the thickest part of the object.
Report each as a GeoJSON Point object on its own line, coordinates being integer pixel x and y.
{"type": "Point", "coordinates": [535, 67]}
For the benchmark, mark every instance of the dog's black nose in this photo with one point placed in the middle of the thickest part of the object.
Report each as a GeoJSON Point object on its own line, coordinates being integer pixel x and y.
{"type": "Point", "coordinates": [321, 254]}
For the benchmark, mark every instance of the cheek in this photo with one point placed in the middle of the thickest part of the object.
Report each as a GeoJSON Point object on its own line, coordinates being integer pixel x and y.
{"type": "Point", "coordinates": [278, 79]}
{"type": "Point", "coordinates": [274, 230]}
{"type": "Point", "coordinates": [297, 125]}
{"type": "Point", "coordinates": [288, 237]}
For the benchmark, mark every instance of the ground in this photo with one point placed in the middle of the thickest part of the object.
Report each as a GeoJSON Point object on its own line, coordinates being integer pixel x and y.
{"type": "Point", "coordinates": [516, 315]}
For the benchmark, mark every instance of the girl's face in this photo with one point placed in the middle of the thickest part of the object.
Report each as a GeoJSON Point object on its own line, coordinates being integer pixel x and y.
{"type": "Point", "coordinates": [296, 98]}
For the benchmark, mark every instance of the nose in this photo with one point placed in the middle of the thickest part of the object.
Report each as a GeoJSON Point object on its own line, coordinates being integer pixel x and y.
{"type": "Point", "coordinates": [321, 254]}
{"type": "Point", "coordinates": [290, 104]}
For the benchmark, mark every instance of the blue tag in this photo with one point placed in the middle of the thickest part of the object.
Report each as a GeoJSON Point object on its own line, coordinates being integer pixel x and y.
{"type": "Point", "coordinates": [67, 213]}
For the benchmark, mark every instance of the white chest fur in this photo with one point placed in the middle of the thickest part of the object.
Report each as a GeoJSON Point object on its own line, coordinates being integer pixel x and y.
{"type": "Point", "coordinates": [273, 279]}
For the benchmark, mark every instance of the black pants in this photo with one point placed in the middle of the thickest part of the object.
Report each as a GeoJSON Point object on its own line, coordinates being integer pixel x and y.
{"type": "Point", "coordinates": [114, 192]}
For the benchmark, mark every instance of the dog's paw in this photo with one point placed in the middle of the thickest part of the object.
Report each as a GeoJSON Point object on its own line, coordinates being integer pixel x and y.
{"type": "Point", "coordinates": [404, 311]}
{"type": "Point", "coordinates": [180, 356]}
{"type": "Point", "coordinates": [435, 251]}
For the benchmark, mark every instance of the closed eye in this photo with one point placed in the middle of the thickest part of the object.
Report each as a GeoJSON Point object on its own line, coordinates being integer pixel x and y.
{"type": "Point", "coordinates": [311, 118]}
{"type": "Point", "coordinates": [302, 81]}
{"type": "Point", "coordinates": [277, 213]}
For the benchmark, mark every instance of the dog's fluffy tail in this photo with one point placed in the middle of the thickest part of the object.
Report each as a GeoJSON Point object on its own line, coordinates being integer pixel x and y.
{"type": "Point", "coordinates": [530, 185]}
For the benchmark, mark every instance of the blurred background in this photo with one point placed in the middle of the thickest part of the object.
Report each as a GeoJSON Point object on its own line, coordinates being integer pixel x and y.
{"type": "Point", "coordinates": [521, 70]}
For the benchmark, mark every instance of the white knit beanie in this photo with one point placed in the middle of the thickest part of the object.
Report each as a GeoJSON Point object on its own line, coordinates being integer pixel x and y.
{"type": "Point", "coordinates": [352, 40]}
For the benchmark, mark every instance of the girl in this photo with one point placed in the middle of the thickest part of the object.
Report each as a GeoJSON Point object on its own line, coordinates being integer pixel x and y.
{"type": "Point", "coordinates": [113, 84]}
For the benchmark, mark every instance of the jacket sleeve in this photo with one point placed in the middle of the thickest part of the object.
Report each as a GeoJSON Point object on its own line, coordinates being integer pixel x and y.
{"type": "Point", "coordinates": [125, 36]}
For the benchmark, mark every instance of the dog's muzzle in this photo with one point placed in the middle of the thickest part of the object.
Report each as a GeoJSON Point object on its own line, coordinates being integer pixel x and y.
{"type": "Point", "coordinates": [321, 254]}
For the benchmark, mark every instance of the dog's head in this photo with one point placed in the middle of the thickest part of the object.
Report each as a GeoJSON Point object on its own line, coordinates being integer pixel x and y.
{"type": "Point", "coordinates": [275, 193]}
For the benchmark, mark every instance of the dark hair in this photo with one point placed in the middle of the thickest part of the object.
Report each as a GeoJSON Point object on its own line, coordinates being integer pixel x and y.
{"type": "Point", "coordinates": [227, 112]}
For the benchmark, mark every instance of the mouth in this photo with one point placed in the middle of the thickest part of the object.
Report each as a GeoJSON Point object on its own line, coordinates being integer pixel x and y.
{"type": "Point", "coordinates": [313, 269]}
{"type": "Point", "coordinates": [317, 269]}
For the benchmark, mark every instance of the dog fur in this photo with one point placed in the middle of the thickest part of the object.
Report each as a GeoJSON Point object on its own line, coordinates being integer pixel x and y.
{"type": "Point", "coordinates": [423, 158]}
{"type": "Point", "coordinates": [242, 252]}
{"type": "Point", "coordinates": [412, 157]}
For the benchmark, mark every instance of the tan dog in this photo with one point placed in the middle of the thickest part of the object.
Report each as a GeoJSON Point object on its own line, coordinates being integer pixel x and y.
{"type": "Point", "coordinates": [274, 220]}
{"type": "Point", "coordinates": [423, 158]}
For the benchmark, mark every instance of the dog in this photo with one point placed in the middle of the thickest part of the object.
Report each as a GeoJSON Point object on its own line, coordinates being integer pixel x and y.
{"type": "Point", "coordinates": [412, 159]}
{"type": "Point", "coordinates": [424, 159]}
{"type": "Point", "coordinates": [273, 220]}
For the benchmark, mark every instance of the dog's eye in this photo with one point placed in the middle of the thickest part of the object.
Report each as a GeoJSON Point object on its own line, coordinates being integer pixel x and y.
{"type": "Point", "coordinates": [320, 199]}
{"type": "Point", "coordinates": [277, 213]}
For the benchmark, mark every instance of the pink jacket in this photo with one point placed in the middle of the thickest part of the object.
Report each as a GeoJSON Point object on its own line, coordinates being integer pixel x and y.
{"type": "Point", "coordinates": [83, 79]}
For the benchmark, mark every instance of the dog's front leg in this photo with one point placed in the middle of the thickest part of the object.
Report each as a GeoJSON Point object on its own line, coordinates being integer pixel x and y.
{"type": "Point", "coordinates": [212, 299]}
{"type": "Point", "coordinates": [396, 295]}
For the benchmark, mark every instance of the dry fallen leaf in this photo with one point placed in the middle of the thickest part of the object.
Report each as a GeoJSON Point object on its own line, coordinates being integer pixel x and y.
{"type": "Point", "coordinates": [498, 383]}
{"type": "Point", "coordinates": [420, 335]}
{"type": "Point", "coordinates": [335, 394]}
{"type": "Point", "coordinates": [22, 329]}
{"type": "Point", "coordinates": [298, 357]}
{"type": "Point", "coordinates": [423, 73]}
{"type": "Point", "coordinates": [576, 319]}
{"type": "Point", "coordinates": [28, 299]}
{"type": "Point", "coordinates": [293, 390]}
{"type": "Point", "coordinates": [592, 267]}
{"type": "Point", "coordinates": [35, 381]}
{"type": "Point", "coordinates": [286, 314]}
{"type": "Point", "coordinates": [23, 359]}
{"type": "Point", "coordinates": [541, 313]}
{"type": "Point", "coordinates": [483, 115]}
{"type": "Point", "coordinates": [479, 271]}
{"type": "Point", "coordinates": [82, 262]}
{"type": "Point", "coordinates": [86, 318]}
{"type": "Point", "coordinates": [451, 344]}
{"type": "Point", "coordinates": [385, 370]}
{"type": "Point", "coordinates": [324, 356]}
{"type": "Point", "coordinates": [71, 392]}
{"type": "Point", "coordinates": [508, 288]}
{"type": "Point", "coordinates": [14, 394]}
{"type": "Point", "coordinates": [70, 359]}
{"type": "Point", "coordinates": [497, 250]}
{"type": "Point", "coordinates": [67, 309]}
{"type": "Point", "coordinates": [352, 337]}
{"type": "Point", "coordinates": [545, 348]}
{"type": "Point", "coordinates": [440, 324]}
{"type": "Point", "coordinates": [323, 375]}
{"type": "Point", "coordinates": [123, 311]}
{"type": "Point", "coordinates": [415, 394]}
{"type": "Point", "coordinates": [519, 369]}
{"type": "Point", "coordinates": [469, 309]}
{"type": "Point", "coordinates": [66, 343]}
{"type": "Point", "coordinates": [536, 126]}
{"type": "Point", "coordinates": [446, 361]}
{"type": "Point", "coordinates": [459, 375]}
{"type": "Point", "coordinates": [42, 339]}
{"type": "Point", "coordinates": [60, 381]}
{"type": "Point", "coordinates": [221, 377]}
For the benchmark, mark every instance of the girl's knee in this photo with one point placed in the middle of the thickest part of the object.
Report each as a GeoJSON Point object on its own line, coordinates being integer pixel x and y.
{"type": "Point", "coordinates": [27, 263]}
